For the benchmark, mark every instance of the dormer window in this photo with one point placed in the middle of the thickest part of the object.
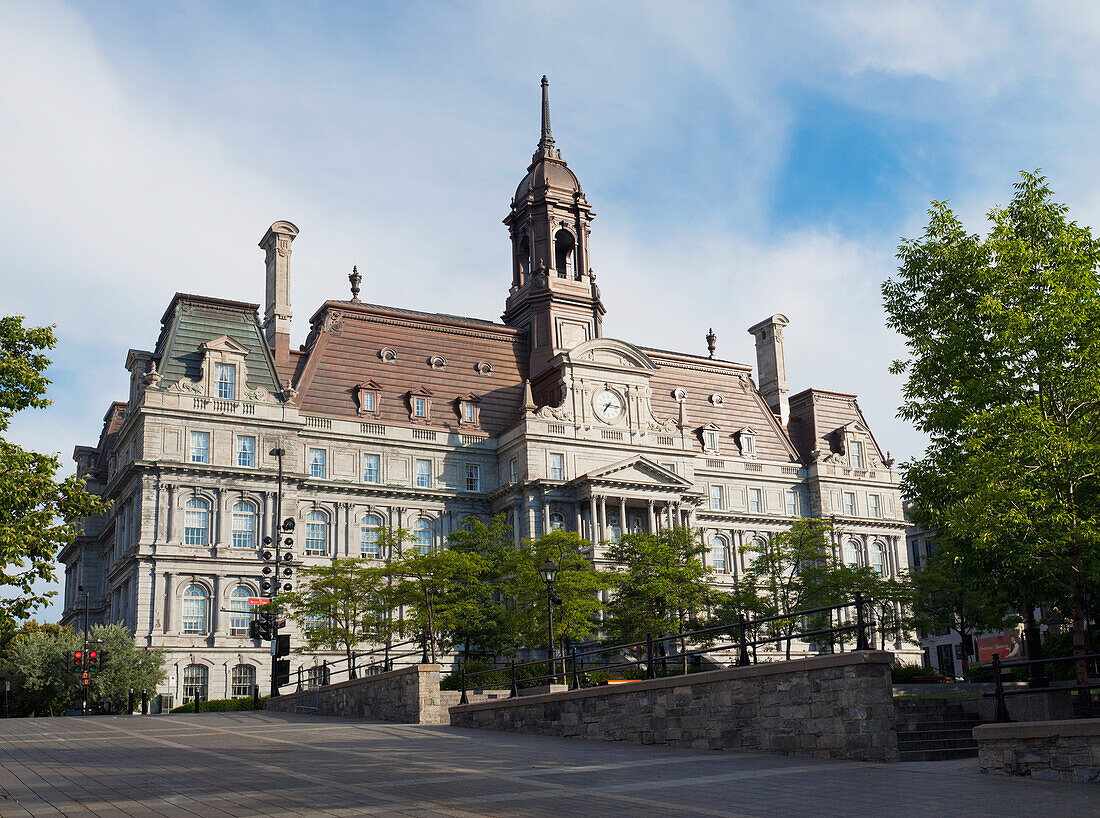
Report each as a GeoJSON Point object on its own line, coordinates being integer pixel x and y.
{"type": "Point", "coordinates": [225, 381]}
{"type": "Point", "coordinates": [469, 411]}
{"type": "Point", "coordinates": [855, 454]}
{"type": "Point", "coordinates": [367, 397]}
{"type": "Point", "coordinates": [420, 405]}
{"type": "Point", "coordinates": [709, 437]}
{"type": "Point", "coordinates": [746, 440]}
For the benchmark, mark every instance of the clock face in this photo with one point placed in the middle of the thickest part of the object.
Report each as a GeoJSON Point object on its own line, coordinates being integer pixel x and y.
{"type": "Point", "coordinates": [609, 405]}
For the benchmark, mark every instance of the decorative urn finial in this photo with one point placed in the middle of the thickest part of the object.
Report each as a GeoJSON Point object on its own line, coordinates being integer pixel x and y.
{"type": "Point", "coordinates": [355, 280]}
{"type": "Point", "coordinates": [712, 342]}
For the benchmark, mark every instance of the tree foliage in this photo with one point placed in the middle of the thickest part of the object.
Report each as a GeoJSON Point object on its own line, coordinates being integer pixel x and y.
{"type": "Point", "coordinates": [1003, 374]}
{"type": "Point", "coordinates": [38, 514]}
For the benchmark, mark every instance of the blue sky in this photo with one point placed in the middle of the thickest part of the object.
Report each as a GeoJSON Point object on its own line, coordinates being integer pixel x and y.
{"type": "Point", "coordinates": [743, 159]}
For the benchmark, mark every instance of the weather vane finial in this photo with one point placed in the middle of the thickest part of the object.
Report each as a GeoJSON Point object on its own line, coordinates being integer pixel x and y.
{"type": "Point", "coordinates": [712, 342]}
{"type": "Point", "coordinates": [546, 141]}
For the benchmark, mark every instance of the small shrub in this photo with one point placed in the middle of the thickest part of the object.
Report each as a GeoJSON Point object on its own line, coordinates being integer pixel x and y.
{"type": "Point", "coordinates": [221, 705]}
{"type": "Point", "coordinates": [903, 672]}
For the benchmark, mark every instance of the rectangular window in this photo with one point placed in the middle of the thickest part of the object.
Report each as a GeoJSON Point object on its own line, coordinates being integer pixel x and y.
{"type": "Point", "coordinates": [246, 451]}
{"type": "Point", "coordinates": [718, 558]}
{"type": "Point", "coordinates": [557, 466]}
{"type": "Point", "coordinates": [372, 468]}
{"type": "Point", "coordinates": [468, 412]}
{"type": "Point", "coordinates": [850, 503]}
{"type": "Point", "coordinates": [748, 445]}
{"type": "Point", "coordinates": [756, 501]}
{"type": "Point", "coordinates": [368, 401]}
{"type": "Point", "coordinates": [915, 546]}
{"type": "Point", "coordinates": [424, 474]}
{"type": "Point", "coordinates": [792, 503]}
{"type": "Point", "coordinates": [317, 463]}
{"type": "Point", "coordinates": [874, 505]}
{"type": "Point", "coordinates": [473, 477]}
{"type": "Point", "coordinates": [513, 474]}
{"type": "Point", "coordinates": [200, 447]}
{"type": "Point", "coordinates": [368, 543]}
{"type": "Point", "coordinates": [225, 381]}
{"type": "Point", "coordinates": [710, 441]}
{"type": "Point", "coordinates": [857, 454]}
{"type": "Point", "coordinates": [716, 498]}
{"type": "Point", "coordinates": [420, 407]}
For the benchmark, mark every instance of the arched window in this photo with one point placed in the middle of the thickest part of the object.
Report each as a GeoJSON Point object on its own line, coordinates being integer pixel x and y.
{"type": "Point", "coordinates": [194, 681]}
{"type": "Point", "coordinates": [756, 547]}
{"type": "Point", "coordinates": [244, 524]}
{"type": "Point", "coordinates": [194, 609]}
{"type": "Point", "coordinates": [718, 554]}
{"type": "Point", "coordinates": [196, 522]}
{"type": "Point", "coordinates": [524, 258]}
{"type": "Point", "coordinates": [564, 253]}
{"type": "Point", "coordinates": [557, 521]}
{"type": "Point", "coordinates": [422, 535]}
{"type": "Point", "coordinates": [851, 553]}
{"type": "Point", "coordinates": [243, 681]}
{"type": "Point", "coordinates": [241, 611]}
{"type": "Point", "coordinates": [877, 555]}
{"type": "Point", "coordinates": [317, 533]}
{"type": "Point", "coordinates": [369, 530]}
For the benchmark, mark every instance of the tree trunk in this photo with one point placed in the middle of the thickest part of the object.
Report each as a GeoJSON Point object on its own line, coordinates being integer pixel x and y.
{"type": "Point", "coordinates": [1080, 667]}
{"type": "Point", "coordinates": [683, 649]}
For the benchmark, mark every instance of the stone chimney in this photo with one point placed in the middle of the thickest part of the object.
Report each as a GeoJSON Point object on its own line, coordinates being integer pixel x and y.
{"type": "Point", "coordinates": [771, 365]}
{"type": "Point", "coordinates": [276, 247]}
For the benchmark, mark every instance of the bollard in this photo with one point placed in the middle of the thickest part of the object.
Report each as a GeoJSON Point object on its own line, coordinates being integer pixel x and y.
{"type": "Point", "coordinates": [255, 697]}
{"type": "Point", "coordinates": [130, 703]}
{"type": "Point", "coordinates": [144, 702]}
{"type": "Point", "coordinates": [462, 699]}
{"type": "Point", "coordinates": [198, 700]}
{"type": "Point", "coordinates": [160, 704]}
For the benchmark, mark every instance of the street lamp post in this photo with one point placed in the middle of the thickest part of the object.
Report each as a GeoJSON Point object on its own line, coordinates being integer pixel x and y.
{"type": "Point", "coordinates": [549, 573]}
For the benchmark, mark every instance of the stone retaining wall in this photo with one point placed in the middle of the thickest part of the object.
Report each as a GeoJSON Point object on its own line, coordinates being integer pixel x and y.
{"type": "Point", "coordinates": [836, 706]}
{"type": "Point", "coordinates": [410, 695]}
{"type": "Point", "coordinates": [1052, 750]}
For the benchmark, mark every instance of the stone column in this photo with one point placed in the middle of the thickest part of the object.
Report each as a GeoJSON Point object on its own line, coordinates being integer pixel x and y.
{"type": "Point", "coordinates": [622, 516]}
{"type": "Point", "coordinates": [171, 512]}
{"type": "Point", "coordinates": [517, 535]}
{"type": "Point", "coordinates": [215, 606]}
{"type": "Point", "coordinates": [219, 499]}
{"type": "Point", "coordinates": [265, 523]}
{"type": "Point", "coordinates": [652, 517]}
{"type": "Point", "coordinates": [169, 590]}
{"type": "Point", "coordinates": [577, 517]}
{"type": "Point", "coordinates": [668, 513]}
{"type": "Point", "coordinates": [593, 534]}
{"type": "Point", "coordinates": [545, 512]}
{"type": "Point", "coordinates": [603, 518]}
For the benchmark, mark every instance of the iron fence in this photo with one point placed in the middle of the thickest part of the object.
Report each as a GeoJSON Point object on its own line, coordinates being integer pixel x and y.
{"type": "Point", "coordinates": [999, 693]}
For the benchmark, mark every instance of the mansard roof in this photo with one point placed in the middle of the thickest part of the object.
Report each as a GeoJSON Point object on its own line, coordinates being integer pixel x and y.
{"type": "Point", "coordinates": [817, 415]}
{"type": "Point", "coordinates": [194, 320]}
{"type": "Point", "coordinates": [346, 346]}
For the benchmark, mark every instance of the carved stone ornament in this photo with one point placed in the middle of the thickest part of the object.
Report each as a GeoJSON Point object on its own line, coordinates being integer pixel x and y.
{"type": "Point", "coordinates": [680, 395]}
{"type": "Point", "coordinates": [484, 368]}
{"type": "Point", "coordinates": [667, 427]}
{"type": "Point", "coordinates": [188, 386]}
{"type": "Point", "coordinates": [555, 413]}
{"type": "Point", "coordinates": [437, 362]}
{"type": "Point", "coordinates": [716, 399]}
{"type": "Point", "coordinates": [259, 395]}
{"type": "Point", "coordinates": [334, 322]}
{"type": "Point", "coordinates": [387, 355]}
{"type": "Point", "coordinates": [152, 377]}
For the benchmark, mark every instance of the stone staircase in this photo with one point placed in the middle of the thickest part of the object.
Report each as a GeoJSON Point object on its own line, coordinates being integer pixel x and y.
{"type": "Point", "coordinates": [934, 729]}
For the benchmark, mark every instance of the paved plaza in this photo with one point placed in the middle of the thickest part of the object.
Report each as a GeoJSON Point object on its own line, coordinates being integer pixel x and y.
{"type": "Point", "coordinates": [271, 764]}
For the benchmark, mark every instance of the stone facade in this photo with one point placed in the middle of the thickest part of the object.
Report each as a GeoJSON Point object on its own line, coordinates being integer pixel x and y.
{"type": "Point", "coordinates": [410, 696]}
{"type": "Point", "coordinates": [1049, 750]}
{"type": "Point", "coordinates": [837, 706]}
{"type": "Point", "coordinates": [394, 417]}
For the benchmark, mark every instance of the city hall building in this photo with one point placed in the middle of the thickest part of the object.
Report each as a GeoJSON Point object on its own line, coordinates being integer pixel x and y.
{"type": "Point", "coordinates": [389, 416]}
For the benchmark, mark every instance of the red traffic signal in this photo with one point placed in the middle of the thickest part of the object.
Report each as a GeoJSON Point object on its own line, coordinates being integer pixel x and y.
{"type": "Point", "coordinates": [93, 659]}
{"type": "Point", "coordinates": [78, 658]}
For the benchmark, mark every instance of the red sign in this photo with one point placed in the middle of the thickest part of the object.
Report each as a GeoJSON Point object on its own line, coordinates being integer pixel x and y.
{"type": "Point", "coordinates": [257, 600]}
{"type": "Point", "coordinates": [1007, 645]}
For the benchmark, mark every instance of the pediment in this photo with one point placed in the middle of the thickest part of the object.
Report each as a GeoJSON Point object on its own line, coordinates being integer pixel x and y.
{"type": "Point", "coordinates": [854, 427]}
{"type": "Point", "coordinates": [610, 352]}
{"type": "Point", "coordinates": [637, 470]}
{"type": "Point", "coordinates": [223, 343]}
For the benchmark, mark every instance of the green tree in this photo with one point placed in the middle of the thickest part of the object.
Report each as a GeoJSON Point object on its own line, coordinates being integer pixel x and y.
{"type": "Point", "coordinates": [126, 667]}
{"type": "Point", "coordinates": [947, 596]}
{"type": "Point", "coordinates": [430, 591]}
{"type": "Point", "coordinates": [660, 585]}
{"type": "Point", "coordinates": [497, 617]}
{"type": "Point", "coordinates": [339, 604]}
{"type": "Point", "coordinates": [1003, 374]}
{"type": "Point", "coordinates": [38, 514]}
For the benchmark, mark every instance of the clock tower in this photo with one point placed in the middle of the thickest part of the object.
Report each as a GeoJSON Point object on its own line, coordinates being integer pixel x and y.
{"type": "Point", "coordinates": [553, 295]}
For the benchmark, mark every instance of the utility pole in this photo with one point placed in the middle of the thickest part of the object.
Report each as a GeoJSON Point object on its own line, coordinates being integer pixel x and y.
{"type": "Point", "coordinates": [83, 656]}
{"type": "Point", "coordinates": [279, 454]}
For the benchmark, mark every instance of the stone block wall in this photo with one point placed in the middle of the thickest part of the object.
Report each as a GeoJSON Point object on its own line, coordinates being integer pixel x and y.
{"type": "Point", "coordinates": [410, 695]}
{"type": "Point", "coordinates": [837, 706]}
{"type": "Point", "coordinates": [1052, 750]}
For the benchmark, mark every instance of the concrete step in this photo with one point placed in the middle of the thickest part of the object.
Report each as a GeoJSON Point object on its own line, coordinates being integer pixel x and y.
{"type": "Point", "coordinates": [934, 735]}
{"type": "Point", "coordinates": [940, 744]}
{"type": "Point", "coordinates": [911, 726]}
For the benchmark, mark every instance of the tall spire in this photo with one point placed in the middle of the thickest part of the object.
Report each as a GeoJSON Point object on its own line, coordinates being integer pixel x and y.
{"type": "Point", "coordinates": [546, 142]}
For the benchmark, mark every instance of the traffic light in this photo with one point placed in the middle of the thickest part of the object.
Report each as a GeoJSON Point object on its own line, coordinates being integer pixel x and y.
{"type": "Point", "coordinates": [282, 672]}
{"type": "Point", "coordinates": [254, 629]}
{"type": "Point", "coordinates": [78, 659]}
{"type": "Point", "coordinates": [282, 645]}
{"type": "Point", "coordinates": [102, 659]}
{"type": "Point", "coordinates": [262, 627]}
{"type": "Point", "coordinates": [93, 660]}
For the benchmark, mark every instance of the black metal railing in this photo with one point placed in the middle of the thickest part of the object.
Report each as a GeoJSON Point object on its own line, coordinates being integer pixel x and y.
{"type": "Point", "coordinates": [999, 693]}
{"type": "Point", "coordinates": [577, 664]}
{"type": "Point", "coordinates": [360, 664]}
